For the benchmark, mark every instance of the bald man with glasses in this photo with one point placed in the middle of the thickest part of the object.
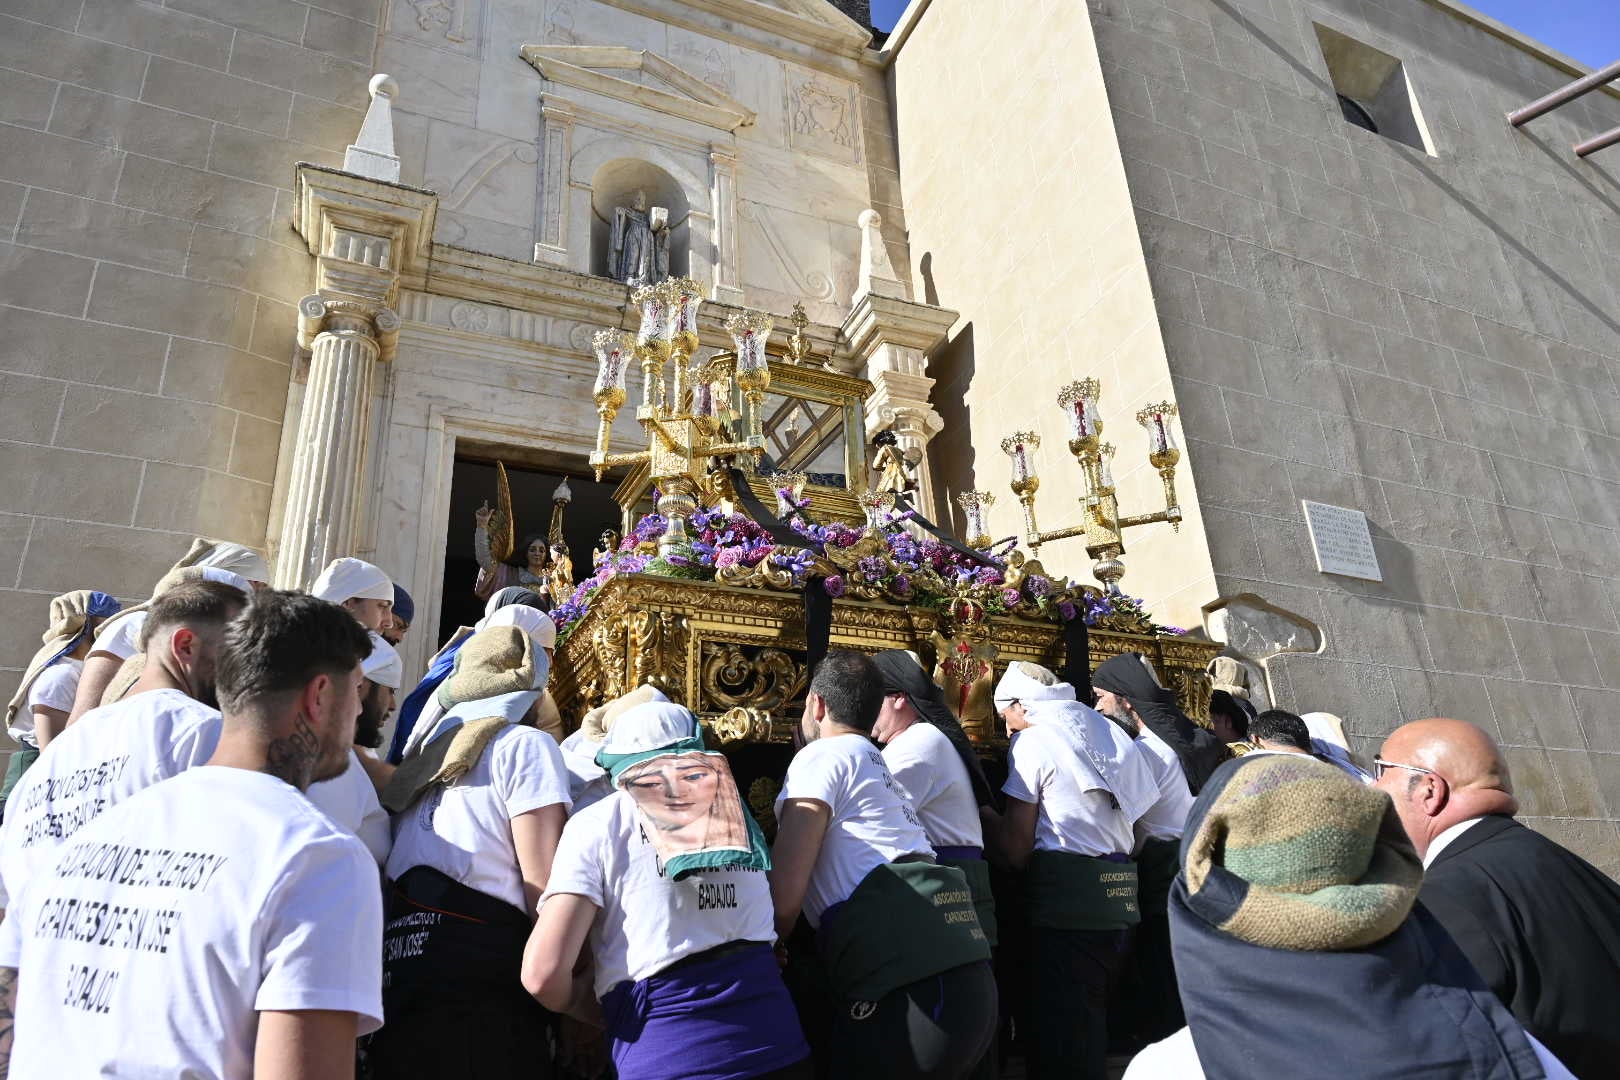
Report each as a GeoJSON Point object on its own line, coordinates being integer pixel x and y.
{"type": "Point", "coordinates": [1538, 922]}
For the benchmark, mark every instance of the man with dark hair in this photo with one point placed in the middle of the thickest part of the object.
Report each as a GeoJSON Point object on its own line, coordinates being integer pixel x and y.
{"type": "Point", "coordinates": [404, 613]}
{"type": "Point", "coordinates": [1129, 691]}
{"type": "Point", "coordinates": [1280, 730]}
{"type": "Point", "coordinates": [352, 800]}
{"type": "Point", "coordinates": [215, 924]}
{"type": "Point", "coordinates": [896, 933]}
{"type": "Point", "coordinates": [167, 723]}
{"type": "Point", "coordinates": [1229, 717]}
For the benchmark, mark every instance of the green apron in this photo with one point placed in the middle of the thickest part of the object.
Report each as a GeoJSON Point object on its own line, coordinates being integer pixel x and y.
{"type": "Point", "coordinates": [1157, 865]}
{"type": "Point", "coordinates": [977, 872]}
{"type": "Point", "coordinates": [1081, 892]}
{"type": "Point", "coordinates": [904, 922]}
{"type": "Point", "coordinates": [22, 759]}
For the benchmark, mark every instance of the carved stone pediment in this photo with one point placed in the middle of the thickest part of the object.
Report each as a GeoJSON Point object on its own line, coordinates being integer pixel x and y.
{"type": "Point", "coordinates": [606, 69]}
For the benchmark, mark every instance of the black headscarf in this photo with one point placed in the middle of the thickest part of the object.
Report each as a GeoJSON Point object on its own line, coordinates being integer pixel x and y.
{"type": "Point", "coordinates": [1199, 751]}
{"type": "Point", "coordinates": [903, 675]}
{"type": "Point", "coordinates": [1408, 1004]}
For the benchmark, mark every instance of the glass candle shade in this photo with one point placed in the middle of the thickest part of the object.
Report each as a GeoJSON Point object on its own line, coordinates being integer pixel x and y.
{"type": "Point", "coordinates": [975, 509]}
{"type": "Point", "coordinates": [612, 359]}
{"type": "Point", "coordinates": [654, 303]}
{"type": "Point", "coordinates": [1155, 420]}
{"type": "Point", "coordinates": [683, 297]}
{"type": "Point", "coordinates": [702, 398]}
{"type": "Point", "coordinates": [877, 505]}
{"type": "Point", "coordinates": [1079, 402]}
{"type": "Point", "coordinates": [789, 488]}
{"type": "Point", "coordinates": [750, 330]}
{"type": "Point", "coordinates": [1105, 466]}
{"type": "Point", "coordinates": [1020, 449]}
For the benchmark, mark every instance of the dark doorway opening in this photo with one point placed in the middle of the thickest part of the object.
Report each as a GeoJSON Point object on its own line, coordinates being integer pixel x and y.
{"type": "Point", "coordinates": [533, 483]}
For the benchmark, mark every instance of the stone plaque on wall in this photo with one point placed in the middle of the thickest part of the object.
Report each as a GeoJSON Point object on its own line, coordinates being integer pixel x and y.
{"type": "Point", "coordinates": [1341, 541]}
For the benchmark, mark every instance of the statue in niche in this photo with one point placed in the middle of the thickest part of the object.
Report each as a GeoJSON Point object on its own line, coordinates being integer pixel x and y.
{"type": "Point", "coordinates": [896, 472]}
{"type": "Point", "coordinates": [639, 251]}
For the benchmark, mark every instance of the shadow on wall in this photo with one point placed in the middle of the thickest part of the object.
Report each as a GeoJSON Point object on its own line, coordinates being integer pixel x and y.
{"type": "Point", "coordinates": [930, 290]}
{"type": "Point", "coordinates": [951, 459]}
{"type": "Point", "coordinates": [1415, 160]}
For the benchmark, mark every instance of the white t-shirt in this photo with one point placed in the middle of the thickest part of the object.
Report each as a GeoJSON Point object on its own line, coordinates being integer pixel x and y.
{"type": "Point", "coordinates": [110, 754]}
{"type": "Point", "coordinates": [53, 688]}
{"type": "Point", "coordinates": [351, 801]}
{"type": "Point", "coordinates": [464, 831]}
{"type": "Point", "coordinates": [928, 767]}
{"type": "Point", "coordinates": [1176, 1058]}
{"type": "Point", "coordinates": [1167, 817]}
{"type": "Point", "coordinates": [647, 921]}
{"type": "Point", "coordinates": [1075, 815]}
{"type": "Point", "coordinates": [122, 637]}
{"type": "Point", "coordinates": [872, 819]}
{"type": "Point", "coordinates": [170, 923]}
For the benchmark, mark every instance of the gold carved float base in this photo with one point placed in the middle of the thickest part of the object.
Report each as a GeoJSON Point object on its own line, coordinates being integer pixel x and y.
{"type": "Point", "coordinates": [735, 656]}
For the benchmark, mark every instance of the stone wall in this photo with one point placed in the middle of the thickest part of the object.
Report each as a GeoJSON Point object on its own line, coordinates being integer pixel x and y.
{"type": "Point", "coordinates": [148, 271]}
{"type": "Point", "coordinates": [1432, 339]}
{"type": "Point", "coordinates": [1020, 218]}
{"type": "Point", "coordinates": [1429, 338]}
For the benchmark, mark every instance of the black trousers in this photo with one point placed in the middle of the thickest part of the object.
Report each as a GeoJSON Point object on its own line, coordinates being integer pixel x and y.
{"type": "Point", "coordinates": [1068, 1006]}
{"type": "Point", "coordinates": [938, 1028]}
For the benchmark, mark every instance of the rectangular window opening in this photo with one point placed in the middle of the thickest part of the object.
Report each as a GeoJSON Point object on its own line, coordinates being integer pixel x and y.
{"type": "Point", "coordinates": [1374, 90]}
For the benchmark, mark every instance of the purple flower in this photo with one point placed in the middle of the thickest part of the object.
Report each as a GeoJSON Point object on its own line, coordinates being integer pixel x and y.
{"type": "Point", "coordinates": [901, 585]}
{"type": "Point", "coordinates": [727, 557]}
{"type": "Point", "coordinates": [678, 560]}
{"type": "Point", "coordinates": [1010, 597]}
{"type": "Point", "coordinates": [834, 585]}
{"type": "Point", "coordinates": [987, 575]}
{"type": "Point", "coordinates": [1067, 610]}
{"type": "Point", "coordinates": [1039, 586]}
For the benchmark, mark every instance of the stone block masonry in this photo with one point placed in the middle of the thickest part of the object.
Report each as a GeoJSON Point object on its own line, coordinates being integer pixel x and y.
{"type": "Point", "coordinates": [148, 272]}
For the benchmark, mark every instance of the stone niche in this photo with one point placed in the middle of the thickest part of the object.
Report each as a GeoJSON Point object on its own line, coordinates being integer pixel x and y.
{"type": "Point", "coordinates": [616, 184]}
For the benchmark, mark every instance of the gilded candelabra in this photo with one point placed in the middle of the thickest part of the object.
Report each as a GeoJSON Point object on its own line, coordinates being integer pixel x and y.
{"type": "Point", "coordinates": [1102, 527]}
{"type": "Point", "coordinates": [684, 421]}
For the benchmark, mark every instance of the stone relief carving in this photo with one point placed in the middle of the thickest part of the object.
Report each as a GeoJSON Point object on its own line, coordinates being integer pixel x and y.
{"type": "Point", "coordinates": [824, 116]}
{"type": "Point", "coordinates": [812, 285]}
{"type": "Point", "coordinates": [474, 318]}
{"type": "Point", "coordinates": [478, 173]}
{"type": "Point", "coordinates": [448, 16]}
{"type": "Point", "coordinates": [708, 61]}
{"type": "Point", "coordinates": [559, 24]}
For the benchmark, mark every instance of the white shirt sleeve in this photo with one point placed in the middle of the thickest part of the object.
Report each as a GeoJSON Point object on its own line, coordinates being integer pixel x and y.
{"type": "Point", "coordinates": [1175, 1058]}
{"type": "Point", "coordinates": [912, 770]}
{"type": "Point", "coordinates": [815, 776]}
{"type": "Point", "coordinates": [55, 687]}
{"type": "Point", "coordinates": [576, 868]}
{"type": "Point", "coordinates": [324, 929]}
{"type": "Point", "coordinates": [1027, 771]}
{"type": "Point", "coordinates": [122, 638]}
{"type": "Point", "coordinates": [528, 771]}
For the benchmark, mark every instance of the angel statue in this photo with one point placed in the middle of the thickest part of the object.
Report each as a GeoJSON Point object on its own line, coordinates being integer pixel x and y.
{"type": "Point", "coordinates": [606, 545]}
{"type": "Point", "coordinates": [501, 563]}
{"type": "Point", "coordinates": [896, 473]}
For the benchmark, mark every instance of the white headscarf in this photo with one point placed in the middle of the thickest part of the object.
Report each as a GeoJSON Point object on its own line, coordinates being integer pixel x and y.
{"type": "Point", "coordinates": [537, 624]}
{"type": "Point", "coordinates": [1102, 747]}
{"type": "Point", "coordinates": [649, 726]}
{"type": "Point", "coordinates": [226, 577]}
{"type": "Point", "coordinates": [350, 579]}
{"type": "Point", "coordinates": [1329, 743]}
{"type": "Point", "coordinates": [237, 559]}
{"type": "Point", "coordinates": [383, 666]}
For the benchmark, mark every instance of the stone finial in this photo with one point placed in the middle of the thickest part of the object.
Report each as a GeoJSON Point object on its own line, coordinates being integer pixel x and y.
{"type": "Point", "coordinates": [877, 271]}
{"type": "Point", "coordinates": [372, 153]}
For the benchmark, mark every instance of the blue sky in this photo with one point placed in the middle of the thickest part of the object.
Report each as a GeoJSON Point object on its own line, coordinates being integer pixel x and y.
{"type": "Point", "coordinates": [1588, 30]}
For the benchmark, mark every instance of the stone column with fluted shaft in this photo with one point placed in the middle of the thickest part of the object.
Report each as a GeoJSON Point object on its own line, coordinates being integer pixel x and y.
{"type": "Point", "coordinates": [368, 234]}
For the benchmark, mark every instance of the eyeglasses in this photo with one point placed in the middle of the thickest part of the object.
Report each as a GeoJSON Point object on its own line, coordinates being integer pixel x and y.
{"type": "Point", "coordinates": [1379, 765]}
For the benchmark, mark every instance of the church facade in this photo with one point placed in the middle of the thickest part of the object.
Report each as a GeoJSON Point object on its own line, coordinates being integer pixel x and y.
{"type": "Point", "coordinates": [254, 293]}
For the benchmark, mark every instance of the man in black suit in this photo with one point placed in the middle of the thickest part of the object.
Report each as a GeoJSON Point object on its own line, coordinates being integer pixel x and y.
{"type": "Point", "coordinates": [1539, 923]}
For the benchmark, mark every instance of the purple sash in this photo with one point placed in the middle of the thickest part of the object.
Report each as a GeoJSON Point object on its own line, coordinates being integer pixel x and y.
{"type": "Point", "coordinates": [725, 1017]}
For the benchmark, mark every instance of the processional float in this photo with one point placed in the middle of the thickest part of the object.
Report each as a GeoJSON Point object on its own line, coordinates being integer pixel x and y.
{"type": "Point", "coordinates": [713, 595]}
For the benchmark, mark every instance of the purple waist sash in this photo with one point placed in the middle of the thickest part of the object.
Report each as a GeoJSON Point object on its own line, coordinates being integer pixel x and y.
{"type": "Point", "coordinates": [959, 854]}
{"type": "Point", "coordinates": [723, 1018]}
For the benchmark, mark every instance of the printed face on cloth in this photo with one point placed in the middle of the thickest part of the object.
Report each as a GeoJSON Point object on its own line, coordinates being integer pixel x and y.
{"type": "Point", "coordinates": [685, 795]}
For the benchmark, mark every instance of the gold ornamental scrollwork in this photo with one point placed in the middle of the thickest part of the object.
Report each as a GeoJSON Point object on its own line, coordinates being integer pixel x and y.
{"type": "Point", "coordinates": [742, 724]}
{"type": "Point", "coordinates": [730, 678]}
{"type": "Point", "coordinates": [608, 644]}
